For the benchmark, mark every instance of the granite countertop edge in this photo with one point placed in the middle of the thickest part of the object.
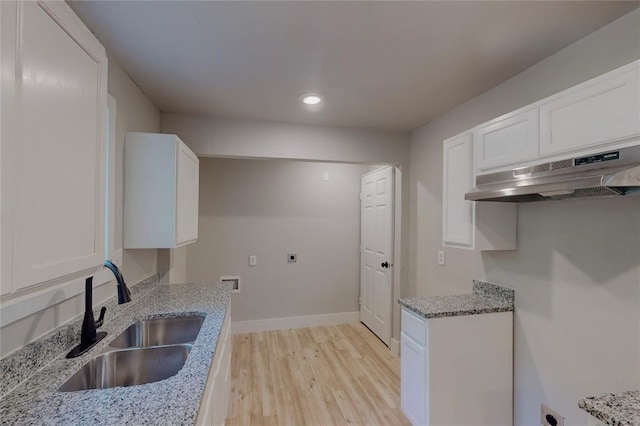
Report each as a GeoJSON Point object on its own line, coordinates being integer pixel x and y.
{"type": "Point", "coordinates": [615, 409]}
{"type": "Point", "coordinates": [486, 298]}
{"type": "Point", "coordinates": [175, 400]}
{"type": "Point", "coordinates": [479, 307]}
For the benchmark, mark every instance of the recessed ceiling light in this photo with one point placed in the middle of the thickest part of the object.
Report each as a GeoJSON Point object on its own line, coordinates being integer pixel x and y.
{"type": "Point", "coordinates": [311, 99]}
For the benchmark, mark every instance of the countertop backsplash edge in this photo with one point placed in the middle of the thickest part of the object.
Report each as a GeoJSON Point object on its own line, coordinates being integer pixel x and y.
{"type": "Point", "coordinates": [494, 291]}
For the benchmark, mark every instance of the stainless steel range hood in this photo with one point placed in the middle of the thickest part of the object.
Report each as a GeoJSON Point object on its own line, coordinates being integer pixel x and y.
{"type": "Point", "coordinates": [611, 173]}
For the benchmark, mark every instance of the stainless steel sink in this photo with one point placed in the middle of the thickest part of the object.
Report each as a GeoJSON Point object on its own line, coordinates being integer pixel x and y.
{"type": "Point", "coordinates": [129, 367]}
{"type": "Point", "coordinates": [160, 331]}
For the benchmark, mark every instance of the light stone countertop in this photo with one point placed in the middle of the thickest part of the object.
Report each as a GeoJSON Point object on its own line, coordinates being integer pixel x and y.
{"type": "Point", "coordinates": [615, 409]}
{"type": "Point", "coordinates": [172, 401]}
{"type": "Point", "coordinates": [486, 298]}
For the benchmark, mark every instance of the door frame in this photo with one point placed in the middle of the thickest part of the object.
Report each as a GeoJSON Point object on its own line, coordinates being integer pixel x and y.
{"type": "Point", "coordinates": [394, 344]}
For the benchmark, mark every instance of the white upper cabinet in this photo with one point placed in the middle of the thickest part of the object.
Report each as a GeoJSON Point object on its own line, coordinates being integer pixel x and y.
{"type": "Point", "coordinates": [54, 98]}
{"type": "Point", "coordinates": [599, 114]}
{"type": "Point", "coordinates": [468, 224]}
{"type": "Point", "coordinates": [187, 195]}
{"type": "Point", "coordinates": [509, 139]}
{"type": "Point", "coordinates": [161, 178]}
{"type": "Point", "coordinates": [457, 213]}
{"type": "Point", "coordinates": [601, 111]}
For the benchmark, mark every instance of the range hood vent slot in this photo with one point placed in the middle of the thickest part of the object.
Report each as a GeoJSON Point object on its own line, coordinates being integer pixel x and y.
{"type": "Point", "coordinates": [590, 192]}
{"type": "Point", "coordinates": [556, 165]}
{"type": "Point", "coordinates": [540, 168]}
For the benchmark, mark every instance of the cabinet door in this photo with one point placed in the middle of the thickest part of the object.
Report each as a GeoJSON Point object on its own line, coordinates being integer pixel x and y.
{"type": "Point", "coordinates": [600, 111]}
{"type": "Point", "coordinates": [413, 381]}
{"type": "Point", "coordinates": [457, 213]}
{"type": "Point", "coordinates": [507, 140]}
{"type": "Point", "coordinates": [56, 169]}
{"type": "Point", "coordinates": [187, 195]}
{"type": "Point", "coordinates": [8, 25]}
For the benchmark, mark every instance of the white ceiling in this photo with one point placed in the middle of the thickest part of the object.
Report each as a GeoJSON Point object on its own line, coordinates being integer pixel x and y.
{"type": "Point", "coordinates": [385, 65]}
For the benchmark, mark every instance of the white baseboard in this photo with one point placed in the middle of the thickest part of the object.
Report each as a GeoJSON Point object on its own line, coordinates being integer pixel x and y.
{"type": "Point", "coordinates": [270, 324]}
{"type": "Point", "coordinates": [394, 347]}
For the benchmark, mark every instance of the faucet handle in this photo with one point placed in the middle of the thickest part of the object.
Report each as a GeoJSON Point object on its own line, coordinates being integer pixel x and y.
{"type": "Point", "coordinates": [100, 320]}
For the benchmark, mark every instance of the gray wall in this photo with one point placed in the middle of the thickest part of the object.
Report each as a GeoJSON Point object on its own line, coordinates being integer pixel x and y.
{"type": "Point", "coordinates": [269, 208]}
{"type": "Point", "coordinates": [577, 268]}
{"type": "Point", "coordinates": [219, 137]}
{"type": "Point", "coordinates": [136, 113]}
{"type": "Point", "coordinates": [214, 137]}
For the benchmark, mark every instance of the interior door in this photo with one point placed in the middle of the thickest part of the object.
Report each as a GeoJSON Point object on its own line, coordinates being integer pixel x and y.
{"type": "Point", "coordinates": [376, 252]}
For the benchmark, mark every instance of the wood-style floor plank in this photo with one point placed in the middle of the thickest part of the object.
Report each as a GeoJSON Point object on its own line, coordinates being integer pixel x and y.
{"type": "Point", "coordinates": [334, 375]}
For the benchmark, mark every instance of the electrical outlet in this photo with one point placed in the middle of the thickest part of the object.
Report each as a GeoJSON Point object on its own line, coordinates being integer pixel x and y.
{"type": "Point", "coordinates": [441, 257]}
{"type": "Point", "coordinates": [253, 261]}
{"type": "Point", "coordinates": [292, 257]}
{"type": "Point", "coordinates": [548, 417]}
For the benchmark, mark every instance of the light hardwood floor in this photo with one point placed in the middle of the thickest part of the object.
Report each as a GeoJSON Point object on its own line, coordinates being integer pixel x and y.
{"type": "Point", "coordinates": [331, 375]}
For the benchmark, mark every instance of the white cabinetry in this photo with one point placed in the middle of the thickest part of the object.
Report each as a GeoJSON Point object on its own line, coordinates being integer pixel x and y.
{"type": "Point", "coordinates": [457, 370]}
{"type": "Point", "coordinates": [467, 224]}
{"type": "Point", "coordinates": [598, 112]}
{"type": "Point", "coordinates": [413, 368]}
{"type": "Point", "coordinates": [457, 213]}
{"type": "Point", "coordinates": [509, 139]}
{"type": "Point", "coordinates": [213, 408]}
{"type": "Point", "coordinates": [54, 99]}
{"type": "Point", "coordinates": [160, 192]}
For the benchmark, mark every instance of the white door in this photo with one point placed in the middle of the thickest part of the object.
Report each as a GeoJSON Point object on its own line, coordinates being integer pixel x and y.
{"type": "Point", "coordinates": [376, 255]}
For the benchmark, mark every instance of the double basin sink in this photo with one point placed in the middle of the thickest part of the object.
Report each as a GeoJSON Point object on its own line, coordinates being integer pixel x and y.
{"type": "Point", "coordinates": [146, 352]}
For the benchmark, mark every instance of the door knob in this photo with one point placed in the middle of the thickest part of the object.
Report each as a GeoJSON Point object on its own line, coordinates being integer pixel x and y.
{"type": "Point", "coordinates": [385, 264]}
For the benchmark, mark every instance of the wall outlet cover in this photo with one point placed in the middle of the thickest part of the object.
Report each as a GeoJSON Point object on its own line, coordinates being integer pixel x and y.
{"type": "Point", "coordinates": [441, 257]}
{"type": "Point", "coordinates": [253, 261]}
{"type": "Point", "coordinates": [292, 258]}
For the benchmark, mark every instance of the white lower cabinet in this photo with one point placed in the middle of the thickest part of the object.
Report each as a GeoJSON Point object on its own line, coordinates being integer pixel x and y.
{"type": "Point", "coordinates": [213, 407]}
{"type": "Point", "coordinates": [462, 373]}
{"type": "Point", "coordinates": [413, 381]}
